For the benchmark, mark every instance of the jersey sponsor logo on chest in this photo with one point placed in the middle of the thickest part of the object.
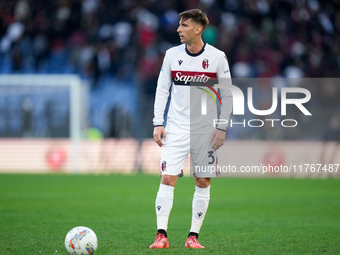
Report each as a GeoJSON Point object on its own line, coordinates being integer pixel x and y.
{"type": "Point", "coordinates": [185, 77]}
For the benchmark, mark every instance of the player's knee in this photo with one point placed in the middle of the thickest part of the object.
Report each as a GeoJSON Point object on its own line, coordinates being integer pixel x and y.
{"type": "Point", "coordinates": [169, 180]}
{"type": "Point", "coordinates": [202, 182]}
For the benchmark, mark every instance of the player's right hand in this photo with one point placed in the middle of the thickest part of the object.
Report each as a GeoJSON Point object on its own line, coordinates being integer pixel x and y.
{"type": "Point", "coordinates": [158, 132]}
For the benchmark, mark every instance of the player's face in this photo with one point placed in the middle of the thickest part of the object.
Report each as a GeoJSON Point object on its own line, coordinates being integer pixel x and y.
{"type": "Point", "coordinates": [187, 31]}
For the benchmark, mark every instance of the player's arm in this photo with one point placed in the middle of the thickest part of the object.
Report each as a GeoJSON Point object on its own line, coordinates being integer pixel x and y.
{"type": "Point", "coordinates": [227, 101]}
{"type": "Point", "coordinates": [161, 98]}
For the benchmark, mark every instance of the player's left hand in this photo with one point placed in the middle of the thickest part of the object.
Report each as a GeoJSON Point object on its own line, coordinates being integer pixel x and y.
{"type": "Point", "coordinates": [218, 137]}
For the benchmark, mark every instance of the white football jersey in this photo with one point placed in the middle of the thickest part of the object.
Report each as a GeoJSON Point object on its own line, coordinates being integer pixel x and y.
{"type": "Point", "coordinates": [191, 78]}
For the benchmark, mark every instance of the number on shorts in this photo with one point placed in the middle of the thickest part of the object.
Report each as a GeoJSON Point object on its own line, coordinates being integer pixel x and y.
{"type": "Point", "coordinates": [210, 155]}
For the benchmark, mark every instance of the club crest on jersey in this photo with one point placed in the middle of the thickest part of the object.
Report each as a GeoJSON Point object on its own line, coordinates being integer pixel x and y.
{"type": "Point", "coordinates": [205, 63]}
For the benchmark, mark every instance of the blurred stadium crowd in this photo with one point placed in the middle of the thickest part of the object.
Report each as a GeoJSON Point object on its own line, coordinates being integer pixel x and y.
{"type": "Point", "coordinates": [118, 46]}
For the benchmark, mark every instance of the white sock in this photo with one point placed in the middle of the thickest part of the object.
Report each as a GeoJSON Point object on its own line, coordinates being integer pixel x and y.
{"type": "Point", "coordinates": [199, 207]}
{"type": "Point", "coordinates": [164, 201]}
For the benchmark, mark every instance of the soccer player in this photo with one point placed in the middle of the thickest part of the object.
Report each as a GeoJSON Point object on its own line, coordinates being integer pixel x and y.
{"type": "Point", "coordinates": [184, 68]}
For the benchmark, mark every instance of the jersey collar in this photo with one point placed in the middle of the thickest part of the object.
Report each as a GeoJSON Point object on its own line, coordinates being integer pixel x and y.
{"type": "Point", "coordinates": [195, 54]}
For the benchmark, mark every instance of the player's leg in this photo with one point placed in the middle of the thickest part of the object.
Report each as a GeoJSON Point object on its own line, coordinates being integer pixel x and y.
{"type": "Point", "coordinates": [173, 157]}
{"type": "Point", "coordinates": [200, 205]}
{"type": "Point", "coordinates": [164, 201]}
{"type": "Point", "coordinates": [204, 167]}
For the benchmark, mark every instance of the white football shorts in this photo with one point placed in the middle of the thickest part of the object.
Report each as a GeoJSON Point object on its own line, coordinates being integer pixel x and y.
{"type": "Point", "coordinates": [175, 151]}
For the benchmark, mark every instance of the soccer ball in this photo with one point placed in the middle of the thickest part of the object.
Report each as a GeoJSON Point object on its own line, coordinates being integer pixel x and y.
{"type": "Point", "coordinates": [81, 241]}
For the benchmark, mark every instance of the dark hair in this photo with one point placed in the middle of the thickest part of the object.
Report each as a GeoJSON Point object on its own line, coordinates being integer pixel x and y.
{"type": "Point", "coordinates": [196, 15]}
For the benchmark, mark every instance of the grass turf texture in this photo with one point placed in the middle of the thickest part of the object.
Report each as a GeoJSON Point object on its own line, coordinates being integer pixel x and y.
{"type": "Point", "coordinates": [245, 216]}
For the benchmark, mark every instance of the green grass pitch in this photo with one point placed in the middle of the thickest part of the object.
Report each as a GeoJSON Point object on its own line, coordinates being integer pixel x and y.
{"type": "Point", "coordinates": [245, 216]}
